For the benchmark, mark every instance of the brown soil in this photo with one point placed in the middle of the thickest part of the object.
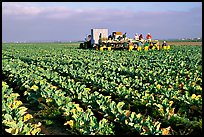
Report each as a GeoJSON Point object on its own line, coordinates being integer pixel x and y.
{"type": "Point", "coordinates": [55, 129]}
{"type": "Point", "coordinates": [186, 43]}
{"type": "Point", "coordinates": [58, 128]}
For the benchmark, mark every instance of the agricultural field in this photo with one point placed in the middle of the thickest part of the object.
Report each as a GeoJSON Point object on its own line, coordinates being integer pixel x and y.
{"type": "Point", "coordinates": [58, 89]}
{"type": "Point", "coordinates": [185, 43]}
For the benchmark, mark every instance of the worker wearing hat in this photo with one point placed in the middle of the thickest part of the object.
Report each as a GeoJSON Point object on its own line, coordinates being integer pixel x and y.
{"type": "Point", "coordinates": [137, 37]}
{"type": "Point", "coordinates": [164, 44]}
{"type": "Point", "coordinates": [149, 38]}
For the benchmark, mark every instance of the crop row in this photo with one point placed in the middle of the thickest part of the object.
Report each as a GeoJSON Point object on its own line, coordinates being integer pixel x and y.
{"type": "Point", "coordinates": [118, 84]}
{"type": "Point", "coordinates": [110, 108]}
{"type": "Point", "coordinates": [161, 86]}
{"type": "Point", "coordinates": [15, 118]}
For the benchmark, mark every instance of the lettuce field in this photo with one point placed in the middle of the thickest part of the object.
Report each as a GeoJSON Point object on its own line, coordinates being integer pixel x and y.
{"type": "Point", "coordinates": [58, 87]}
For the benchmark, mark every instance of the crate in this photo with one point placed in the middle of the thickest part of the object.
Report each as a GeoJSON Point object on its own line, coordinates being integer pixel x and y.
{"type": "Point", "coordinates": [118, 33]}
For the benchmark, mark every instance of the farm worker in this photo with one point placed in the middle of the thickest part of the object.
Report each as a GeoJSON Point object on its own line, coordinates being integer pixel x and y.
{"type": "Point", "coordinates": [100, 36]}
{"type": "Point", "coordinates": [125, 44]}
{"type": "Point", "coordinates": [89, 38]}
{"type": "Point", "coordinates": [109, 37]}
{"type": "Point", "coordinates": [164, 44]}
{"type": "Point", "coordinates": [130, 46]}
{"type": "Point", "coordinates": [139, 46]}
{"type": "Point", "coordinates": [119, 38]}
{"type": "Point", "coordinates": [149, 37]}
{"type": "Point", "coordinates": [140, 37]}
{"type": "Point", "coordinates": [136, 36]}
{"type": "Point", "coordinates": [150, 45]}
{"type": "Point", "coordinates": [88, 41]}
{"type": "Point", "coordinates": [124, 35]}
{"type": "Point", "coordinates": [139, 43]}
{"type": "Point", "coordinates": [114, 35]}
{"type": "Point", "coordinates": [100, 39]}
{"type": "Point", "coordinates": [157, 44]}
{"type": "Point", "coordinates": [146, 45]}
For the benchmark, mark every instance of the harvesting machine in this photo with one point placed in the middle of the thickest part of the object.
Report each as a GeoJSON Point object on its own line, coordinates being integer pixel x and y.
{"type": "Point", "coordinates": [101, 41]}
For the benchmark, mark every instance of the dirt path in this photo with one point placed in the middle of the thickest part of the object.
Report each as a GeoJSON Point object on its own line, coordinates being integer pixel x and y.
{"type": "Point", "coordinates": [185, 43]}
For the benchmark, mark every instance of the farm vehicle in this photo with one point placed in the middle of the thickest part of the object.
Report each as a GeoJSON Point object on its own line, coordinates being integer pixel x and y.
{"type": "Point", "coordinates": [101, 41]}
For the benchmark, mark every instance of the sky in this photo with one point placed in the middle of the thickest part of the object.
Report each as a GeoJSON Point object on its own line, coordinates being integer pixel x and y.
{"type": "Point", "coordinates": [72, 21]}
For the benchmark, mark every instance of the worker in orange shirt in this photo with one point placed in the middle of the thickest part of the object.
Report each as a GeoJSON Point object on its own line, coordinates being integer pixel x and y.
{"type": "Point", "coordinates": [149, 38]}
